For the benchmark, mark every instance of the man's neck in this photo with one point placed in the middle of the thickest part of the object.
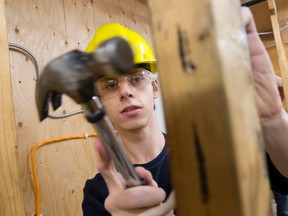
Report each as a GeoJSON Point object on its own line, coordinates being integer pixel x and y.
{"type": "Point", "coordinates": [144, 144]}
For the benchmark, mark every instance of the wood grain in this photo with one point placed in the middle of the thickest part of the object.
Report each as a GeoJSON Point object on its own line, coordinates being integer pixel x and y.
{"type": "Point", "coordinates": [274, 57]}
{"type": "Point", "coordinates": [215, 140]}
{"type": "Point", "coordinates": [281, 52]}
{"type": "Point", "coordinates": [11, 196]}
{"type": "Point", "coordinates": [49, 28]}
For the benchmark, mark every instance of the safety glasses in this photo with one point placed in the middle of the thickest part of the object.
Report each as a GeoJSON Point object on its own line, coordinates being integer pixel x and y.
{"type": "Point", "coordinates": [108, 87]}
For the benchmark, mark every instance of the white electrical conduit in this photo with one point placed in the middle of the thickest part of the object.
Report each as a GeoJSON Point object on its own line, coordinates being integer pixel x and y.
{"type": "Point", "coordinates": [28, 53]}
{"type": "Point", "coordinates": [271, 32]}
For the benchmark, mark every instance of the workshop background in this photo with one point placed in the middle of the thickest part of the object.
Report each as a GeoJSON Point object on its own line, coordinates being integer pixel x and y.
{"type": "Point", "coordinates": [47, 29]}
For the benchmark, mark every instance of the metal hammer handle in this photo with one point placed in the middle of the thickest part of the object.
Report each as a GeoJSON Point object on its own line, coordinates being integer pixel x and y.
{"type": "Point", "coordinates": [112, 142]}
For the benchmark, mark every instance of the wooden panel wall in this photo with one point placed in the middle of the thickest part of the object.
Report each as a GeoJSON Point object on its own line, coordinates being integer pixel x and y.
{"type": "Point", "coordinates": [274, 57]}
{"type": "Point", "coordinates": [49, 28]}
{"type": "Point", "coordinates": [11, 194]}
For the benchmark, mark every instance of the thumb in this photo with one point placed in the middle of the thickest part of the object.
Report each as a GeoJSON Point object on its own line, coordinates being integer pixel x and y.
{"type": "Point", "coordinates": [163, 209]}
{"type": "Point", "coordinates": [146, 176]}
{"type": "Point", "coordinates": [106, 167]}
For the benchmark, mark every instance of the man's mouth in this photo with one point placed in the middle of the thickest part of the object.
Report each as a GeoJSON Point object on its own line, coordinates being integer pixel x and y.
{"type": "Point", "coordinates": [129, 109]}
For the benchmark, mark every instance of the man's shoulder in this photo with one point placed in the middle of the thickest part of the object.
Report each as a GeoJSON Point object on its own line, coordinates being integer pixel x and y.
{"type": "Point", "coordinates": [96, 182]}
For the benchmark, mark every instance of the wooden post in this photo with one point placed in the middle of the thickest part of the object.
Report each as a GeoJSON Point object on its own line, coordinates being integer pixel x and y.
{"type": "Point", "coordinates": [11, 199]}
{"type": "Point", "coordinates": [216, 148]}
{"type": "Point", "coordinates": [282, 58]}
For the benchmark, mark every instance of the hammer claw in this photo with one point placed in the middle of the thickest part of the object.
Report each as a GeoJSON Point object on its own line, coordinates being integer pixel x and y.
{"type": "Point", "coordinates": [43, 113]}
{"type": "Point", "coordinates": [56, 100]}
{"type": "Point", "coordinates": [75, 73]}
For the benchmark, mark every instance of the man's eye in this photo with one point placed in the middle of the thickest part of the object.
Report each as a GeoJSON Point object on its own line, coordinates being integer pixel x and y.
{"type": "Point", "coordinates": [137, 79]}
{"type": "Point", "coordinates": [110, 84]}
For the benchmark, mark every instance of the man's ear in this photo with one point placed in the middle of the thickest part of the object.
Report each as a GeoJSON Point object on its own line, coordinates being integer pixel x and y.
{"type": "Point", "coordinates": [155, 85]}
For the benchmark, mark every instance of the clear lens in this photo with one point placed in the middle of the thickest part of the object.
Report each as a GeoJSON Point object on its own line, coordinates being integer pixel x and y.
{"type": "Point", "coordinates": [109, 86]}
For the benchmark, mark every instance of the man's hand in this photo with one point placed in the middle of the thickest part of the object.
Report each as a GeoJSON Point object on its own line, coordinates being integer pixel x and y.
{"type": "Point", "coordinates": [267, 95]}
{"type": "Point", "coordinates": [274, 119]}
{"type": "Point", "coordinates": [124, 201]}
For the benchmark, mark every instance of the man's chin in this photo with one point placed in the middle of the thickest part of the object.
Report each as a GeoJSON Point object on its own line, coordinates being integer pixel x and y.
{"type": "Point", "coordinates": [131, 127]}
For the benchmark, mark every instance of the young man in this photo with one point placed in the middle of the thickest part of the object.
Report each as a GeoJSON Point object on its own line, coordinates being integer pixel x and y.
{"type": "Point", "coordinates": [131, 109]}
{"type": "Point", "coordinates": [129, 103]}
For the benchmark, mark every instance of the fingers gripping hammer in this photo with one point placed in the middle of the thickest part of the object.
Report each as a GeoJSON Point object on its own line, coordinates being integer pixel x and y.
{"type": "Point", "coordinates": [74, 74]}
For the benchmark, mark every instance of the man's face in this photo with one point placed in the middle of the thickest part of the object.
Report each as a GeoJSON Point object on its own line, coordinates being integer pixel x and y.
{"type": "Point", "coordinates": [129, 101]}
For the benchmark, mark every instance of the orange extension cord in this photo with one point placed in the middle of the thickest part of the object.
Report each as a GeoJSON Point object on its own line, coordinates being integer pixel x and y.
{"type": "Point", "coordinates": [32, 160]}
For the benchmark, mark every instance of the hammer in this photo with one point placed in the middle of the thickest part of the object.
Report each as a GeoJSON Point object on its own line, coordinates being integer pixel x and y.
{"type": "Point", "coordinates": [74, 74]}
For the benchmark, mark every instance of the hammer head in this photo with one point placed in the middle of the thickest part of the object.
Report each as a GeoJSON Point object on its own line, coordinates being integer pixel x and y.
{"type": "Point", "coordinates": [75, 73]}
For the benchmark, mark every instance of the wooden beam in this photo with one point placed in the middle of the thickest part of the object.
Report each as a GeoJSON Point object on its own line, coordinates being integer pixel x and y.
{"type": "Point", "coordinates": [214, 137]}
{"type": "Point", "coordinates": [282, 58]}
{"type": "Point", "coordinates": [11, 199]}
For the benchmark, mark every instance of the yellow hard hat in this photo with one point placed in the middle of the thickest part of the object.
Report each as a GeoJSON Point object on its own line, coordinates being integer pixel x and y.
{"type": "Point", "coordinates": [143, 53]}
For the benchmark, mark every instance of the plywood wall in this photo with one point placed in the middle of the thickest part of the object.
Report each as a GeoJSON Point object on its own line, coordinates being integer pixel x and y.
{"type": "Point", "coordinates": [274, 57]}
{"type": "Point", "coordinates": [49, 28]}
{"type": "Point", "coordinates": [11, 194]}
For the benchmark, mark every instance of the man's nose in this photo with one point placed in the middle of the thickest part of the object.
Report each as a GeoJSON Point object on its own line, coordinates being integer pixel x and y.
{"type": "Point", "coordinates": [125, 88]}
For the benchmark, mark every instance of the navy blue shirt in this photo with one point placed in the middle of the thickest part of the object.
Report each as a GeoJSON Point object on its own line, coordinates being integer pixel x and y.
{"type": "Point", "coordinates": [278, 182]}
{"type": "Point", "coordinates": [96, 191]}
